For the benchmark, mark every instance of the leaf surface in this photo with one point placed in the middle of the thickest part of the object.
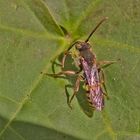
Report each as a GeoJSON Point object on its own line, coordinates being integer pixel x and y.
{"type": "Point", "coordinates": [33, 106]}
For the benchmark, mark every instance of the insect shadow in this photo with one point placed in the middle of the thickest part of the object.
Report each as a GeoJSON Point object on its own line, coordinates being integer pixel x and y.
{"type": "Point", "coordinates": [84, 73]}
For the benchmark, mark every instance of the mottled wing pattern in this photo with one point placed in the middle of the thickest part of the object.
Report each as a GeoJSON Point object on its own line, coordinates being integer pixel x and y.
{"type": "Point", "coordinates": [95, 92]}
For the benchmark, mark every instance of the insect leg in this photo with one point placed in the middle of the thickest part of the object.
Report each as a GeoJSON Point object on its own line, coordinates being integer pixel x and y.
{"type": "Point", "coordinates": [104, 64]}
{"type": "Point", "coordinates": [64, 58]}
{"type": "Point", "coordinates": [102, 77]}
{"type": "Point", "coordinates": [67, 52]}
{"type": "Point", "coordinates": [68, 72]}
{"type": "Point", "coordinates": [76, 88]}
{"type": "Point", "coordinates": [61, 64]}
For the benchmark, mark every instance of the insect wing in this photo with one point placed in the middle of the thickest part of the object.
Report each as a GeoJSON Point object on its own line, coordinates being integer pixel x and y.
{"type": "Point", "coordinates": [95, 92]}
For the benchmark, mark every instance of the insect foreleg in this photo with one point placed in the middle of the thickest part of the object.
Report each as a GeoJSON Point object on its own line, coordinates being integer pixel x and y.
{"type": "Point", "coordinates": [66, 53]}
{"type": "Point", "coordinates": [64, 58]}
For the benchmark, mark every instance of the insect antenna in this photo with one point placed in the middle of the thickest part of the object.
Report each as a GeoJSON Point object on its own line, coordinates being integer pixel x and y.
{"type": "Point", "coordinates": [105, 18]}
{"type": "Point", "coordinates": [71, 45]}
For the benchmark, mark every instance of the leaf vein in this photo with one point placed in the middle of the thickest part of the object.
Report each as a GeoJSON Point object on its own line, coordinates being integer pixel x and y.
{"type": "Point", "coordinates": [30, 33]}
{"type": "Point", "coordinates": [16, 133]}
{"type": "Point", "coordinates": [9, 99]}
{"type": "Point", "coordinates": [86, 12]}
{"type": "Point", "coordinates": [26, 98]}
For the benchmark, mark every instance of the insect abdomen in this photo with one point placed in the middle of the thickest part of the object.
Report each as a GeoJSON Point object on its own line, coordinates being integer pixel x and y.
{"type": "Point", "coordinates": [95, 97]}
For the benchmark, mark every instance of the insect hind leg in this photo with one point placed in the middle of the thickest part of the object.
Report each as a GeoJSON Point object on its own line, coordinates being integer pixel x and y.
{"type": "Point", "coordinates": [102, 78]}
{"type": "Point", "coordinates": [76, 88]}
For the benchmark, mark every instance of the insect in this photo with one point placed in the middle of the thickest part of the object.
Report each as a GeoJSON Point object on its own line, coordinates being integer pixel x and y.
{"type": "Point", "coordinates": [90, 71]}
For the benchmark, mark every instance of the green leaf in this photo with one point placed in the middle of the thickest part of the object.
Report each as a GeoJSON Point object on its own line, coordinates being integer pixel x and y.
{"type": "Point", "coordinates": [34, 106]}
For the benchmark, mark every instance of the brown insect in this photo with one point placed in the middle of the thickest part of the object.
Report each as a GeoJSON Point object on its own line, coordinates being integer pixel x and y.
{"type": "Point", "coordinates": [90, 71]}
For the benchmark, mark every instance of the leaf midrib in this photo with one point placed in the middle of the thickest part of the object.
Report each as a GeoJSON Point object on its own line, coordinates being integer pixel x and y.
{"type": "Point", "coordinates": [29, 92]}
